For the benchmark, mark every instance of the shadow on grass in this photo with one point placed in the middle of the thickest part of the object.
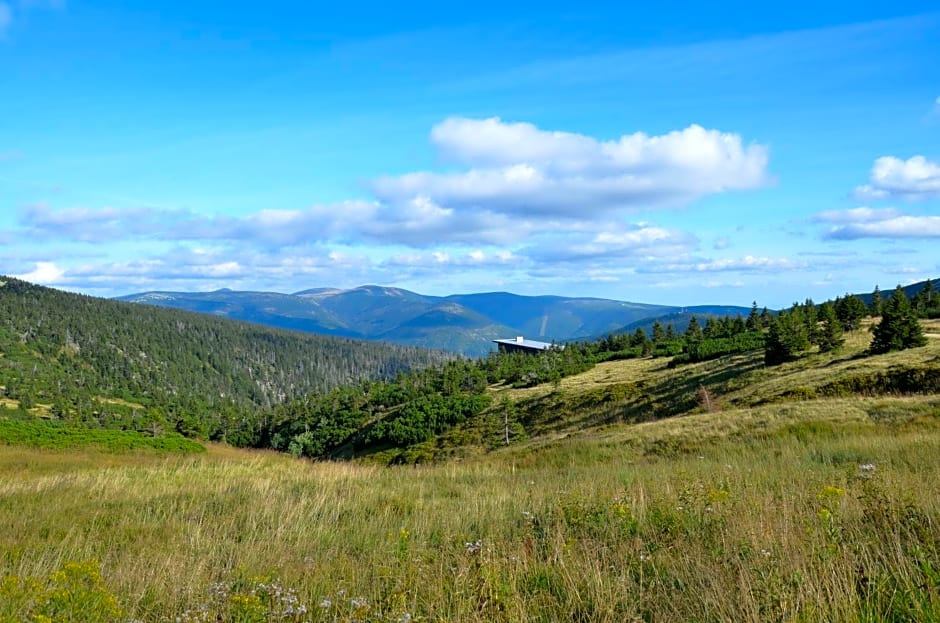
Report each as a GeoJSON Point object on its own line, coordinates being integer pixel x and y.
{"type": "Point", "coordinates": [671, 392]}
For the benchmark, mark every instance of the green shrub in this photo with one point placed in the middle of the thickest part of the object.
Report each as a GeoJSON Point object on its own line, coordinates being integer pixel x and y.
{"type": "Point", "coordinates": [52, 435]}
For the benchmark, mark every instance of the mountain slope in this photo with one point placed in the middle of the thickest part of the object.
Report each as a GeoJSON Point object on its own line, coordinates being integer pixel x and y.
{"type": "Point", "coordinates": [556, 317]}
{"type": "Point", "coordinates": [680, 319]}
{"type": "Point", "coordinates": [909, 290]}
{"type": "Point", "coordinates": [451, 327]}
{"type": "Point", "coordinates": [110, 363]}
{"type": "Point", "coordinates": [405, 317]}
{"type": "Point", "coordinates": [284, 311]}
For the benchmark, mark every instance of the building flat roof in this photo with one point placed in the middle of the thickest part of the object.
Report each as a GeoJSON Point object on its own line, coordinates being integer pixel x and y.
{"type": "Point", "coordinates": [524, 343]}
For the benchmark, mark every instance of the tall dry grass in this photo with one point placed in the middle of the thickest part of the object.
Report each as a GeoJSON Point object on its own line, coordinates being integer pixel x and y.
{"type": "Point", "coordinates": [797, 516]}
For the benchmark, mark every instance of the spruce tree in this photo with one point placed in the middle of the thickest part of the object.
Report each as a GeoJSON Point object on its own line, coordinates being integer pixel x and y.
{"type": "Point", "coordinates": [829, 335]}
{"type": "Point", "coordinates": [898, 329]}
{"type": "Point", "coordinates": [694, 330]}
{"type": "Point", "coordinates": [642, 340]}
{"type": "Point", "coordinates": [811, 321]}
{"type": "Point", "coordinates": [765, 317]}
{"type": "Point", "coordinates": [753, 319]}
{"type": "Point", "coordinates": [659, 333]}
{"type": "Point", "coordinates": [786, 338]}
{"type": "Point", "coordinates": [876, 302]}
{"type": "Point", "coordinates": [850, 310]}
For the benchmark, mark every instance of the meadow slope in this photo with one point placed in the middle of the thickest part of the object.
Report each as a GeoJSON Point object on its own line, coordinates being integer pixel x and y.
{"type": "Point", "coordinates": [805, 492]}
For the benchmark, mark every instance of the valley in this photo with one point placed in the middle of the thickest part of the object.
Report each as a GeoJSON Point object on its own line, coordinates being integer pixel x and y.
{"type": "Point", "coordinates": [607, 481]}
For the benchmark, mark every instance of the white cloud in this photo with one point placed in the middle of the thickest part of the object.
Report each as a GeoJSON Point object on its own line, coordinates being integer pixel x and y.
{"type": "Point", "coordinates": [94, 224]}
{"type": "Point", "coordinates": [887, 223]}
{"type": "Point", "coordinates": [914, 179]}
{"type": "Point", "coordinates": [522, 184]}
{"type": "Point", "coordinates": [856, 215]}
{"type": "Point", "coordinates": [899, 227]}
{"type": "Point", "coordinates": [612, 242]}
{"type": "Point", "coordinates": [518, 169]}
{"type": "Point", "coordinates": [746, 264]}
{"type": "Point", "coordinates": [420, 263]}
{"type": "Point", "coordinates": [44, 273]}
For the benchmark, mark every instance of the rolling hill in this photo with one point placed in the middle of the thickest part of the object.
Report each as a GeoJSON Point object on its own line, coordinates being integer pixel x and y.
{"type": "Point", "coordinates": [108, 363]}
{"type": "Point", "coordinates": [464, 323]}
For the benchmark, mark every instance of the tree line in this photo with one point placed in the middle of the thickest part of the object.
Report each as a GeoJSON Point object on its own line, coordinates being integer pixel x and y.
{"type": "Point", "coordinates": [106, 364]}
{"type": "Point", "coordinates": [103, 364]}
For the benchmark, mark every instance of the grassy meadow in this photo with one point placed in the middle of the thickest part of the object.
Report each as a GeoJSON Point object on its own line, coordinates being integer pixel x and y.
{"type": "Point", "coordinates": [804, 492]}
{"type": "Point", "coordinates": [816, 511]}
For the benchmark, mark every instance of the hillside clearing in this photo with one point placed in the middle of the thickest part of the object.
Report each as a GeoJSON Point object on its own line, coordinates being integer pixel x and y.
{"type": "Point", "coordinates": [784, 522]}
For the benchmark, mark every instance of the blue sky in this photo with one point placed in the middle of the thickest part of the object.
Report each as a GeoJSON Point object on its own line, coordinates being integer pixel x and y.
{"type": "Point", "coordinates": [672, 153]}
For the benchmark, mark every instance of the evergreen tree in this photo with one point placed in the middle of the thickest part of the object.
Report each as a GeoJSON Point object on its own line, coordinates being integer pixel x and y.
{"type": "Point", "coordinates": [876, 302]}
{"type": "Point", "coordinates": [659, 333]}
{"type": "Point", "coordinates": [641, 340]}
{"type": "Point", "coordinates": [786, 338]}
{"type": "Point", "coordinates": [694, 330]}
{"type": "Point", "coordinates": [670, 332]}
{"type": "Point", "coordinates": [898, 329]}
{"type": "Point", "coordinates": [829, 336]}
{"type": "Point", "coordinates": [811, 320]}
{"type": "Point", "coordinates": [850, 310]}
{"type": "Point", "coordinates": [765, 317]}
{"type": "Point", "coordinates": [922, 300]}
{"type": "Point", "coordinates": [753, 318]}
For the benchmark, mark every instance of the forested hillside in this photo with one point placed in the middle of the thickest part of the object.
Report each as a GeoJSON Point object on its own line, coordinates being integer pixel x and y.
{"type": "Point", "coordinates": [462, 323]}
{"type": "Point", "coordinates": [421, 415]}
{"type": "Point", "coordinates": [104, 363]}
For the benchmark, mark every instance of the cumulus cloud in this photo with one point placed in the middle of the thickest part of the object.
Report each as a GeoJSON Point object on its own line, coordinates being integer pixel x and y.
{"type": "Point", "coordinates": [518, 169]}
{"type": "Point", "coordinates": [613, 242]}
{"type": "Point", "coordinates": [746, 264]}
{"type": "Point", "coordinates": [474, 259]}
{"type": "Point", "coordinates": [94, 224]}
{"type": "Point", "coordinates": [46, 273]}
{"type": "Point", "coordinates": [914, 179]}
{"type": "Point", "coordinates": [888, 223]}
{"type": "Point", "coordinates": [856, 215]}
{"type": "Point", "coordinates": [202, 268]}
{"type": "Point", "coordinates": [519, 184]}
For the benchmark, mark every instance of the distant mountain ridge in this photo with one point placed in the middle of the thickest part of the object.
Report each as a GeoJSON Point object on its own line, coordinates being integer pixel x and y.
{"type": "Point", "coordinates": [100, 362]}
{"type": "Point", "coordinates": [465, 323]}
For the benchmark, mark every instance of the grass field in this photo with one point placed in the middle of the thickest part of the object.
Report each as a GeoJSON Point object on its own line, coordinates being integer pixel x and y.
{"type": "Point", "coordinates": [804, 492]}
{"type": "Point", "coordinates": [818, 511]}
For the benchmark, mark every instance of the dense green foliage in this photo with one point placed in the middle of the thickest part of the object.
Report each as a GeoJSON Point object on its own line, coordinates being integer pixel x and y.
{"type": "Point", "coordinates": [97, 363]}
{"type": "Point", "coordinates": [926, 302]}
{"type": "Point", "coordinates": [41, 434]}
{"type": "Point", "coordinates": [410, 409]}
{"type": "Point", "coordinates": [898, 328]}
{"type": "Point", "coordinates": [850, 310]}
{"type": "Point", "coordinates": [417, 407]}
{"type": "Point", "coordinates": [712, 348]}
